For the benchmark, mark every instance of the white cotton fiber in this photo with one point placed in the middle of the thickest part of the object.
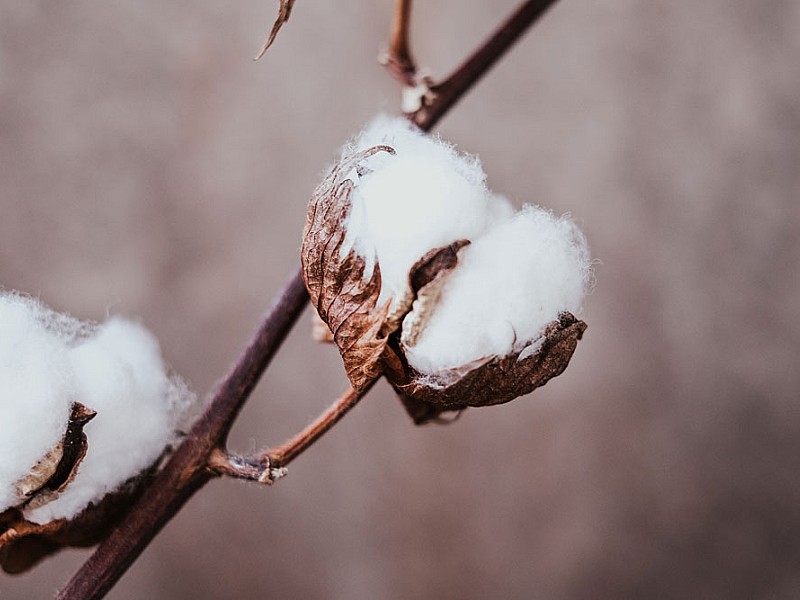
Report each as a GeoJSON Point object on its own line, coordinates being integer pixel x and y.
{"type": "Point", "coordinates": [47, 362]}
{"type": "Point", "coordinates": [509, 285]}
{"type": "Point", "coordinates": [36, 390]}
{"type": "Point", "coordinates": [120, 374]}
{"type": "Point", "coordinates": [423, 197]}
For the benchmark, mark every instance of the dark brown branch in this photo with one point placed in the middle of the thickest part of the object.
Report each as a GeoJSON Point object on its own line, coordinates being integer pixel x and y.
{"type": "Point", "coordinates": [187, 470]}
{"type": "Point", "coordinates": [447, 93]}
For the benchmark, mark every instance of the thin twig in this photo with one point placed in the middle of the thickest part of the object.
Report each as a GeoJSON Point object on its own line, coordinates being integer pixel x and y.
{"type": "Point", "coordinates": [293, 447]}
{"type": "Point", "coordinates": [269, 465]}
{"type": "Point", "coordinates": [448, 92]}
{"type": "Point", "coordinates": [186, 471]}
{"type": "Point", "coordinates": [398, 59]}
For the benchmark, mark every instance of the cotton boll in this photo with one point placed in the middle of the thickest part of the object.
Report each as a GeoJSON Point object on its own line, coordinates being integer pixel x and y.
{"type": "Point", "coordinates": [508, 286]}
{"type": "Point", "coordinates": [36, 391]}
{"type": "Point", "coordinates": [120, 374]}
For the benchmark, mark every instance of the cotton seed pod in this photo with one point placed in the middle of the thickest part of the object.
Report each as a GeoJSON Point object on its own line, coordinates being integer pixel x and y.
{"type": "Point", "coordinates": [374, 336]}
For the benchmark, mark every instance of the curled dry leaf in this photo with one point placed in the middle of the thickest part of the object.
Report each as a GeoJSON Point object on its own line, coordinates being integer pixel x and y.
{"type": "Point", "coordinates": [58, 467]}
{"type": "Point", "coordinates": [284, 12]}
{"type": "Point", "coordinates": [491, 380]}
{"type": "Point", "coordinates": [344, 299]}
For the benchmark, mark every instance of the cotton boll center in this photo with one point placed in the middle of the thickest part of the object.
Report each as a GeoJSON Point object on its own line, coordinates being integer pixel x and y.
{"type": "Point", "coordinates": [411, 206]}
{"type": "Point", "coordinates": [508, 286]}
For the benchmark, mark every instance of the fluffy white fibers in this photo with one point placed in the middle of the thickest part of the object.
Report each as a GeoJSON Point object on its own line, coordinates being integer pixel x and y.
{"type": "Point", "coordinates": [509, 285]}
{"type": "Point", "coordinates": [423, 197]}
{"type": "Point", "coordinates": [50, 361]}
{"type": "Point", "coordinates": [36, 391]}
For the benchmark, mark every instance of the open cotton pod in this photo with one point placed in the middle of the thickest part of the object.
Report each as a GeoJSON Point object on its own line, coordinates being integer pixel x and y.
{"type": "Point", "coordinates": [86, 411]}
{"type": "Point", "coordinates": [423, 274]}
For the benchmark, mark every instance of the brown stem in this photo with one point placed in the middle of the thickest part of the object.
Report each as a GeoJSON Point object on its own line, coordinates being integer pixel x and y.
{"type": "Point", "coordinates": [186, 471]}
{"type": "Point", "coordinates": [398, 58]}
{"type": "Point", "coordinates": [269, 465]}
{"type": "Point", "coordinates": [294, 446]}
{"type": "Point", "coordinates": [447, 93]}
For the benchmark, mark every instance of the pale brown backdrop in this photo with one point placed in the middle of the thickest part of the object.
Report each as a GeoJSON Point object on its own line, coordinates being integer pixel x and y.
{"type": "Point", "coordinates": [148, 167]}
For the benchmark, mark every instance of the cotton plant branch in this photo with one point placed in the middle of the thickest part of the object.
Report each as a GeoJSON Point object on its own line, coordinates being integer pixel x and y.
{"type": "Point", "coordinates": [424, 101]}
{"type": "Point", "coordinates": [201, 456]}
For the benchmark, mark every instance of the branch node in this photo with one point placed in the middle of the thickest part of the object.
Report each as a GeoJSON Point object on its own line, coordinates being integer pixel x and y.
{"type": "Point", "coordinates": [417, 94]}
{"type": "Point", "coordinates": [272, 474]}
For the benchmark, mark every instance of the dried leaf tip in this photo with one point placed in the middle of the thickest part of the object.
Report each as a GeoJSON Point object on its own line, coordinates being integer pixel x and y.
{"type": "Point", "coordinates": [284, 12]}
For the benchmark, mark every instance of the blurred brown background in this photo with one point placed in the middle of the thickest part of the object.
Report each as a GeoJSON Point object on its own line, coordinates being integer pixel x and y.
{"type": "Point", "coordinates": [148, 167]}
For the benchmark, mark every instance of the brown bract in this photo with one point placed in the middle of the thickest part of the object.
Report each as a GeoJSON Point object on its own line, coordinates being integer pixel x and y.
{"type": "Point", "coordinates": [490, 380]}
{"type": "Point", "coordinates": [24, 543]}
{"type": "Point", "coordinates": [58, 467]}
{"type": "Point", "coordinates": [344, 299]}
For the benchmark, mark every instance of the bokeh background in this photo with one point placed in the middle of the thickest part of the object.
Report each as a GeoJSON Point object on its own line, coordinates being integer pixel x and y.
{"type": "Point", "coordinates": [149, 167]}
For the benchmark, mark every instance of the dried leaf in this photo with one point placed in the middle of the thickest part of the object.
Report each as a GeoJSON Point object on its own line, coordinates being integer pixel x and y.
{"type": "Point", "coordinates": [59, 466]}
{"type": "Point", "coordinates": [283, 15]}
{"type": "Point", "coordinates": [427, 278]}
{"type": "Point", "coordinates": [344, 299]}
{"type": "Point", "coordinates": [492, 380]}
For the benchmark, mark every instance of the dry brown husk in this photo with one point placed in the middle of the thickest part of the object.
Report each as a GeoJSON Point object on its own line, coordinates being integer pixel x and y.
{"type": "Point", "coordinates": [490, 380]}
{"type": "Point", "coordinates": [345, 301]}
{"type": "Point", "coordinates": [24, 543]}
{"type": "Point", "coordinates": [56, 470]}
{"type": "Point", "coordinates": [372, 342]}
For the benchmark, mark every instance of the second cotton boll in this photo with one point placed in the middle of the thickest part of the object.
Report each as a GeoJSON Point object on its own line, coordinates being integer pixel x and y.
{"type": "Point", "coordinates": [52, 363]}
{"type": "Point", "coordinates": [422, 274]}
